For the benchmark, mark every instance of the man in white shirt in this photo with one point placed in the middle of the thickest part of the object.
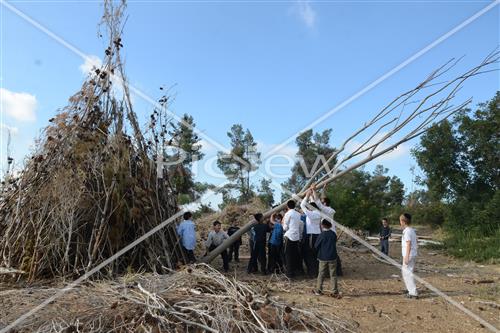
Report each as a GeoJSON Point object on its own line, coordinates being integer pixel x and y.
{"type": "Point", "coordinates": [313, 229]}
{"type": "Point", "coordinates": [409, 248]}
{"type": "Point", "coordinates": [291, 226]}
{"type": "Point", "coordinates": [324, 207]}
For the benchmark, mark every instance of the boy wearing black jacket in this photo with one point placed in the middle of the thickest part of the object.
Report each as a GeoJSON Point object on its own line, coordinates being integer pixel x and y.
{"type": "Point", "coordinates": [385, 234]}
{"type": "Point", "coordinates": [258, 253]}
{"type": "Point", "coordinates": [326, 245]}
{"type": "Point", "coordinates": [234, 249]}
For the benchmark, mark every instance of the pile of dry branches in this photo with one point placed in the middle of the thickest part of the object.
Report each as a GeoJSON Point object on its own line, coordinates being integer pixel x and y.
{"type": "Point", "coordinates": [90, 187]}
{"type": "Point", "coordinates": [196, 299]}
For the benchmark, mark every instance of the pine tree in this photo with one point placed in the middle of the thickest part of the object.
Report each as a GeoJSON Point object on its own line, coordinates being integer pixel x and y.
{"type": "Point", "coordinates": [242, 160]}
{"type": "Point", "coordinates": [187, 142]}
{"type": "Point", "coordinates": [265, 192]}
{"type": "Point", "coordinates": [314, 151]}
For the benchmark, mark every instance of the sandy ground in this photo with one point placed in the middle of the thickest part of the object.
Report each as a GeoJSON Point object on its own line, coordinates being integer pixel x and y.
{"type": "Point", "coordinates": [372, 293]}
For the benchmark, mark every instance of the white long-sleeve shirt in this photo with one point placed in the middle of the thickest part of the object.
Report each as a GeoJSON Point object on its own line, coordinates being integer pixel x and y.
{"type": "Point", "coordinates": [292, 224]}
{"type": "Point", "coordinates": [313, 218]}
{"type": "Point", "coordinates": [329, 211]}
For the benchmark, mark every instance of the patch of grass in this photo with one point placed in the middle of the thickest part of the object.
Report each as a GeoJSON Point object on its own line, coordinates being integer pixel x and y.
{"type": "Point", "coordinates": [434, 246]}
{"type": "Point", "coordinates": [474, 246]}
{"type": "Point", "coordinates": [491, 293]}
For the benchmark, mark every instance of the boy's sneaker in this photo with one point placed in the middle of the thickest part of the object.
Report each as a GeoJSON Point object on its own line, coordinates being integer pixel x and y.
{"type": "Point", "coordinates": [411, 296]}
{"type": "Point", "coordinates": [317, 292]}
{"type": "Point", "coordinates": [336, 294]}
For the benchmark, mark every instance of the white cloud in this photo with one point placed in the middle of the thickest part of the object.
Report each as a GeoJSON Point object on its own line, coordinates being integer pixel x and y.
{"type": "Point", "coordinates": [209, 198]}
{"type": "Point", "coordinates": [91, 63]}
{"type": "Point", "coordinates": [305, 13]}
{"type": "Point", "coordinates": [7, 128]}
{"type": "Point", "coordinates": [403, 150]}
{"type": "Point", "coordinates": [20, 106]}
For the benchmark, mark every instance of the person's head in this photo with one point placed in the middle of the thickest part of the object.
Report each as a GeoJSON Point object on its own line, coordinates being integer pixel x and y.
{"type": "Point", "coordinates": [404, 219]}
{"type": "Point", "coordinates": [278, 218]}
{"type": "Point", "coordinates": [187, 216]}
{"type": "Point", "coordinates": [326, 201]}
{"type": "Point", "coordinates": [258, 217]}
{"type": "Point", "coordinates": [327, 225]}
{"type": "Point", "coordinates": [234, 223]}
{"type": "Point", "coordinates": [385, 222]}
{"type": "Point", "coordinates": [217, 226]}
{"type": "Point", "coordinates": [290, 204]}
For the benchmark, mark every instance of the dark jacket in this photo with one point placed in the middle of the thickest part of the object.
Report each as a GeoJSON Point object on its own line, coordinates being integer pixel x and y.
{"type": "Point", "coordinates": [326, 245]}
{"type": "Point", "coordinates": [231, 231]}
{"type": "Point", "coordinates": [260, 232]}
{"type": "Point", "coordinates": [385, 233]}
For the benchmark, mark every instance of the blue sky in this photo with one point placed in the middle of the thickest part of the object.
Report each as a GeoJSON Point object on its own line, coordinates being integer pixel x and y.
{"type": "Point", "coordinates": [272, 66]}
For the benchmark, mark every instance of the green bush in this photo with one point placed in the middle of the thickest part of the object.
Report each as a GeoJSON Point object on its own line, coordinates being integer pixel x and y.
{"type": "Point", "coordinates": [473, 245]}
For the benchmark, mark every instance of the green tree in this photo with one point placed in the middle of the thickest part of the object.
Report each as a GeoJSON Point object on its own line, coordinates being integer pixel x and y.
{"type": "Point", "coordinates": [461, 163]}
{"type": "Point", "coordinates": [242, 160]}
{"type": "Point", "coordinates": [314, 151]}
{"type": "Point", "coordinates": [185, 138]}
{"type": "Point", "coordinates": [361, 199]}
{"type": "Point", "coordinates": [439, 156]}
{"type": "Point", "coordinates": [396, 192]}
{"type": "Point", "coordinates": [265, 192]}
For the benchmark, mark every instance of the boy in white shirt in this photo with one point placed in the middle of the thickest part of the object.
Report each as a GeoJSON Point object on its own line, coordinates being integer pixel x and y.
{"type": "Point", "coordinates": [292, 227]}
{"type": "Point", "coordinates": [409, 247]}
{"type": "Point", "coordinates": [313, 230]}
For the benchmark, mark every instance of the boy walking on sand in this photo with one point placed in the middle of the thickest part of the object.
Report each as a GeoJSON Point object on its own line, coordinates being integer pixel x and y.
{"type": "Point", "coordinates": [326, 245]}
{"type": "Point", "coordinates": [215, 238]}
{"type": "Point", "coordinates": [385, 234]}
{"type": "Point", "coordinates": [409, 251]}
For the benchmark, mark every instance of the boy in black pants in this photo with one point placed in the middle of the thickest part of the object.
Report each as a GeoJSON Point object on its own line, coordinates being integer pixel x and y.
{"type": "Point", "coordinates": [385, 234]}
{"type": "Point", "coordinates": [234, 249]}
{"type": "Point", "coordinates": [326, 245]}
{"type": "Point", "coordinates": [215, 238]}
{"type": "Point", "coordinates": [258, 254]}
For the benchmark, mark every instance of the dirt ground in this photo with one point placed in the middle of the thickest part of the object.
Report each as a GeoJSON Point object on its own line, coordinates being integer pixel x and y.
{"type": "Point", "coordinates": [372, 293]}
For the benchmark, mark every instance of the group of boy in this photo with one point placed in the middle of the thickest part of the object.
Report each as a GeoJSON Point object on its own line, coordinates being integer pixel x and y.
{"type": "Point", "coordinates": [293, 240]}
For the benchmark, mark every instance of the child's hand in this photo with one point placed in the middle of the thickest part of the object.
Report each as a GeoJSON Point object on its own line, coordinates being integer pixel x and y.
{"type": "Point", "coordinates": [405, 261]}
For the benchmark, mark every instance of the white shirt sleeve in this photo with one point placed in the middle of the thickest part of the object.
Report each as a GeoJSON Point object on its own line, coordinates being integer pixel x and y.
{"type": "Point", "coordinates": [286, 221]}
{"type": "Point", "coordinates": [406, 236]}
{"type": "Point", "coordinates": [303, 205]}
{"type": "Point", "coordinates": [319, 204]}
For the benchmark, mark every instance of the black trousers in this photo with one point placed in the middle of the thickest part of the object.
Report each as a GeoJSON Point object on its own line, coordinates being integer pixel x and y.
{"type": "Point", "coordinates": [257, 256]}
{"type": "Point", "coordinates": [384, 246]}
{"type": "Point", "coordinates": [225, 257]}
{"type": "Point", "coordinates": [292, 257]}
{"type": "Point", "coordinates": [275, 262]}
{"type": "Point", "coordinates": [339, 267]}
{"type": "Point", "coordinates": [310, 255]}
{"type": "Point", "coordinates": [190, 256]}
{"type": "Point", "coordinates": [234, 251]}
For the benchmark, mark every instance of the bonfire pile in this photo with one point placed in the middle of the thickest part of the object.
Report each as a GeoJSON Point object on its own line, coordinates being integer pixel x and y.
{"type": "Point", "coordinates": [196, 299]}
{"type": "Point", "coordinates": [91, 185]}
